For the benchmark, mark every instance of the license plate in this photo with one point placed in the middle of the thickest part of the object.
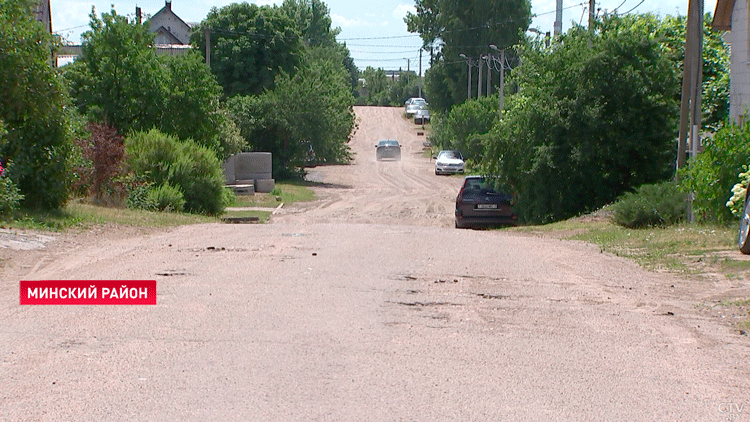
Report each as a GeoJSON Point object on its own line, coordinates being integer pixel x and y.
{"type": "Point", "coordinates": [486, 206]}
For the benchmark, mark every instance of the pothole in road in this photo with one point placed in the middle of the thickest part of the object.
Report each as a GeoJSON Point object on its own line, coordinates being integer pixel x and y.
{"type": "Point", "coordinates": [492, 296]}
{"type": "Point", "coordinates": [426, 304]}
{"type": "Point", "coordinates": [172, 273]}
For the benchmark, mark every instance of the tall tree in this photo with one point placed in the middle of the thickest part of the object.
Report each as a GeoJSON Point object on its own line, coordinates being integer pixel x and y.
{"type": "Point", "coordinates": [468, 27]}
{"type": "Point", "coordinates": [120, 79]}
{"type": "Point", "coordinates": [250, 46]}
{"type": "Point", "coordinates": [595, 117]}
{"type": "Point", "coordinates": [311, 110]}
{"type": "Point", "coordinates": [32, 108]}
{"type": "Point", "coordinates": [313, 21]}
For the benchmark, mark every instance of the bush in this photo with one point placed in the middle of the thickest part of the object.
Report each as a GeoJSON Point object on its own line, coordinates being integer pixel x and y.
{"type": "Point", "coordinates": [660, 204]}
{"type": "Point", "coordinates": [198, 173]}
{"type": "Point", "coordinates": [161, 159]}
{"type": "Point", "coordinates": [139, 199]}
{"type": "Point", "coordinates": [713, 173]}
{"type": "Point", "coordinates": [10, 198]}
{"type": "Point", "coordinates": [97, 162]}
{"type": "Point", "coordinates": [166, 198]}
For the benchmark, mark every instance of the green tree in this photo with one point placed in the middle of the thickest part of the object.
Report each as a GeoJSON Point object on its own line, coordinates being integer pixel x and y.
{"type": "Point", "coordinates": [712, 173]}
{"type": "Point", "coordinates": [122, 81]}
{"type": "Point", "coordinates": [310, 109]}
{"type": "Point", "coordinates": [313, 21]}
{"type": "Point", "coordinates": [250, 46]}
{"type": "Point", "coordinates": [595, 117]}
{"type": "Point", "coordinates": [465, 126]}
{"type": "Point", "coordinates": [466, 27]}
{"type": "Point", "coordinates": [671, 33]}
{"type": "Point", "coordinates": [119, 78]}
{"type": "Point", "coordinates": [32, 109]}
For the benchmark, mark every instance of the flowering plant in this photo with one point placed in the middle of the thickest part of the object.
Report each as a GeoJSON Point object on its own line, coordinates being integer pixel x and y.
{"type": "Point", "coordinates": [737, 201]}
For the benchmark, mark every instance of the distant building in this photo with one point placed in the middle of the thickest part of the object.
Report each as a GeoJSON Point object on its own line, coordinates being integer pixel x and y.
{"type": "Point", "coordinates": [169, 28]}
{"type": "Point", "coordinates": [731, 15]}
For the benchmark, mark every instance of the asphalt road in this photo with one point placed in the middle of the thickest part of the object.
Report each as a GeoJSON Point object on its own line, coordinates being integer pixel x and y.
{"type": "Point", "coordinates": [365, 305]}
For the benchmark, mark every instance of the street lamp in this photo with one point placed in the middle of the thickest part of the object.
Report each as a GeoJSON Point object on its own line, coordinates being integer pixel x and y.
{"type": "Point", "coordinates": [502, 77]}
{"type": "Point", "coordinates": [468, 61]}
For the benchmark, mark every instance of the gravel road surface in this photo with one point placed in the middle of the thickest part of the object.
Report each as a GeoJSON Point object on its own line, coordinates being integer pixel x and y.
{"type": "Point", "coordinates": [365, 305]}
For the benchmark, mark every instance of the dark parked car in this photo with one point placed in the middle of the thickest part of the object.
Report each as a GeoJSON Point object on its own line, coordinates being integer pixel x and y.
{"type": "Point", "coordinates": [479, 204]}
{"type": "Point", "coordinates": [743, 239]}
{"type": "Point", "coordinates": [388, 148]}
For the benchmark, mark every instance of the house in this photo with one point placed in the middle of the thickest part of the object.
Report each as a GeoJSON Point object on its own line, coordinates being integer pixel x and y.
{"type": "Point", "coordinates": [169, 28]}
{"type": "Point", "coordinates": [43, 15]}
{"type": "Point", "coordinates": [733, 16]}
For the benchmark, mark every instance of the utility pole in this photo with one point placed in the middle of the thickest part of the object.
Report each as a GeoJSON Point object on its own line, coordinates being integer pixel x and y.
{"type": "Point", "coordinates": [592, 6]}
{"type": "Point", "coordinates": [420, 73]}
{"type": "Point", "coordinates": [479, 82]}
{"type": "Point", "coordinates": [489, 75]}
{"type": "Point", "coordinates": [468, 83]}
{"type": "Point", "coordinates": [692, 83]}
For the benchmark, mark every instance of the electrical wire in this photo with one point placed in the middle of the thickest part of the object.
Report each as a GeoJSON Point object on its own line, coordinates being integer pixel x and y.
{"type": "Point", "coordinates": [636, 6]}
{"type": "Point", "coordinates": [615, 9]}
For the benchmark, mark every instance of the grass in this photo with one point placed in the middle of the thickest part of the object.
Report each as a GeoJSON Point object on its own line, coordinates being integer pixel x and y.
{"type": "Point", "coordinates": [286, 192]}
{"type": "Point", "coordinates": [81, 214]}
{"type": "Point", "coordinates": [687, 248]}
{"type": "Point", "coordinates": [78, 214]}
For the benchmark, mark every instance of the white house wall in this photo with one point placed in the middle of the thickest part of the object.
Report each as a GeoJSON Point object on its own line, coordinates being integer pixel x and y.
{"type": "Point", "coordinates": [173, 24]}
{"type": "Point", "coordinates": [739, 89]}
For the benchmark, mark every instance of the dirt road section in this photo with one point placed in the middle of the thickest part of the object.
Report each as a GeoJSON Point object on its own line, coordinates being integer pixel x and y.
{"type": "Point", "coordinates": [366, 306]}
{"type": "Point", "coordinates": [387, 192]}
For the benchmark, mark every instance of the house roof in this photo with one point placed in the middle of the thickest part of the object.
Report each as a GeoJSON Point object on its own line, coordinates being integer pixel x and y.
{"type": "Point", "coordinates": [167, 10]}
{"type": "Point", "coordinates": [165, 32]}
{"type": "Point", "coordinates": [723, 15]}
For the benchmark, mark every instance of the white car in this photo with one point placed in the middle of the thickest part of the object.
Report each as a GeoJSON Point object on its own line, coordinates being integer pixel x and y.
{"type": "Point", "coordinates": [449, 162]}
{"type": "Point", "coordinates": [414, 104]}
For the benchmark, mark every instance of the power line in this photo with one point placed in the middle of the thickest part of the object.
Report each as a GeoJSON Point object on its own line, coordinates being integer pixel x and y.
{"type": "Point", "coordinates": [636, 6]}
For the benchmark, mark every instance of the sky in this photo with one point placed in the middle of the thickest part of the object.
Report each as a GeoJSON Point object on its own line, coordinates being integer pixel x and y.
{"type": "Point", "coordinates": [373, 30]}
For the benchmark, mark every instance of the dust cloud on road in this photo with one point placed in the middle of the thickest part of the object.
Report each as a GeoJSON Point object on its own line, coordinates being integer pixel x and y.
{"type": "Point", "coordinates": [365, 305]}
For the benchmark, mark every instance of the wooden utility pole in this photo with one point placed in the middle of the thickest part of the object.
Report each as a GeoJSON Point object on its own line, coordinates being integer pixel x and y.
{"type": "Point", "coordinates": [692, 81]}
{"type": "Point", "coordinates": [692, 86]}
{"type": "Point", "coordinates": [592, 6]}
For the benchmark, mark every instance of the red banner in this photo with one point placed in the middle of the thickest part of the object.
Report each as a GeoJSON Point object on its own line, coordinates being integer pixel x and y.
{"type": "Point", "coordinates": [88, 292]}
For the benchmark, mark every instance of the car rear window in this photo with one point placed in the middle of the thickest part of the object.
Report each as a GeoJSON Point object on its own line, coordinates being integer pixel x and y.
{"type": "Point", "coordinates": [477, 186]}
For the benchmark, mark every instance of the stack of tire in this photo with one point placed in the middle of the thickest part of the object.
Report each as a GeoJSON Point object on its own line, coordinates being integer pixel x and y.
{"type": "Point", "coordinates": [253, 168]}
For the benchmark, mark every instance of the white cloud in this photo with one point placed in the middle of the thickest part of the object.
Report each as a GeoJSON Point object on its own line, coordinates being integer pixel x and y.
{"type": "Point", "coordinates": [343, 22]}
{"type": "Point", "coordinates": [402, 9]}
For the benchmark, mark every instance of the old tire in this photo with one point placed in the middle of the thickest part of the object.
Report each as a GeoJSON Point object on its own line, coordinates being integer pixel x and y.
{"type": "Point", "coordinates": [743, 239]}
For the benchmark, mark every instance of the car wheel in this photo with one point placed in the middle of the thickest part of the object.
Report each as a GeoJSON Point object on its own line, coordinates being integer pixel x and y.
{"type": "Point", "coordinates": [743, 239]}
